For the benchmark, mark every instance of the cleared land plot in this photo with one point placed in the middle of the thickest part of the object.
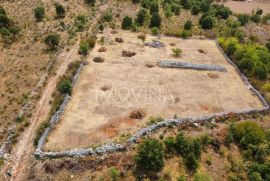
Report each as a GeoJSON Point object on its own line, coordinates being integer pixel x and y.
{"type": "Point", "coordinates": [107, 92]}
{"type": "Point", "coordinates": [247, 7]}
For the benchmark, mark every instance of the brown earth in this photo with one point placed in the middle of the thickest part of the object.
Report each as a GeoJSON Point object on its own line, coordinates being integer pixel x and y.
{"type": "Point", "coordinates": [158, 91]}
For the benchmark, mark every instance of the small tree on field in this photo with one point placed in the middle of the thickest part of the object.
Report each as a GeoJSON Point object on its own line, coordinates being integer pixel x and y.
{"type": "Point", "coordinates": [39, 13]}
{"type": "Point", "coordinates": [154, 7]}
{"type": "Point", "coordinates": [243, 19]}
{"type": "Point", "coordinates": [150, 155]}
{"type": "Point", "coordinates": [155, 20]}
{"type": "Point", "coordinates": [90, 2]}
{"type": "Point", "coordinates": [141, 16]}
{"type": "Point", "coordinates": [114, 174]}
{"type": "Point", "coordinates": [177, 52]}
{"type": "Point", "coordinates": [52, 40]}
{"type": "Point", "coordinates": [65, 86]}
{"type": "Point", "coordinates": [126, 23]}
{"type": "Point", "coordinates": [154, 30]}
{"type": "Point", "coordinates": [206, 22]}
{"type": "Point", "coordinates": [195, 10]}
{"type": "Point", "coordinates": [188, 25]}
{"type": "Point", "coordinates": [191, 162]}
{"type": "Point", "coordinates": [60, 10]}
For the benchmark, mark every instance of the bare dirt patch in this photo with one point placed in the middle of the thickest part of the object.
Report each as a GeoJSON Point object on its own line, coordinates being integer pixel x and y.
{"type": "Point", "coordinates": [247, 7]}
{"type": "Point", "coordinates": [95, 116]}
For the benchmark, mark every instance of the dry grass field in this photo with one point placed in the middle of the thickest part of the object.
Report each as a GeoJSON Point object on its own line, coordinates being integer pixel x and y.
{"type": "Point", "coordinates": [247, 7]}
{"type": "Point", "coordinates": [108, 92]}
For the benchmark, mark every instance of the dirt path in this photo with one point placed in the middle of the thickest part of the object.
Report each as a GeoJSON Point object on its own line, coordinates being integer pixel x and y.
{"type": "Point", "coordinates": [24, 148]}
{"type": "Point", "coordinates": [22, 152]}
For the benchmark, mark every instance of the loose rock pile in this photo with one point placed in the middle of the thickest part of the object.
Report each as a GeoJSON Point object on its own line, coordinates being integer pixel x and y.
{"type": "Point", "coordinates": [155, 44]}
{"type": "Point", "coordinates": [187, 65]}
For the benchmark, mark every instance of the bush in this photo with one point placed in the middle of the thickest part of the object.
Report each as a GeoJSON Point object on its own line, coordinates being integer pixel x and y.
{"type": "Point", "coordinates": [175, 8]}
{"type": "Point", "coordinates": [188, 25]}
{"type": "Point", "coordinates": [141, 16]}
{"type": "Point", "coordinates": [52, 40]}
{"type": "Point", "coordinates": [185, 34]}
{"type": "Point", "coordinates": [155, 20]}
{"type": "Point", "coordinates": [90, 2]}
{"type": "Point", "coordinates": [2, 11]}
{"type": "Point", "coordinates": [135, 1]}
{"type": "Point", "coordinates": [260, 70]}
{"type": "Point", "coordinates": [107, 16]}
{"type": "Point", "coordinates": [177, 52]}
{"type": "Point", "coordinates": [243, 19]}
{"type": "Point", "coordinates": [266, 87]}
{"type": "Point", "coordinates": [268, 46]}
{"type": "Point", "coordinates": [84, 48]}
{"type": "Point", "coordinates": [60, 10]}
{"type": "Point", "coordinates": [126, 23]}
{"type": "Point", "coordinates": [150, 155]}
{"type": "Point", "coordinates": [195, 10]}
{"type": "Point", "coordinates": [181, 178]}
{"type": "Point", "coordinates": [190, 162]}
{"type": "Point", "coordinates": [5, 22]}
{"type": "Point", "coordinates": [65, 86]}
{"type": "Point", "coordinates": [181, 144]}
{"type": "Point", "coordinates": [154, 7]}
{"type": "Point", "coordinates": [169, 144]}
{"type": "Point", "coordinates": [186, 4]}
{"type": "Point", "coordinates": [202, 177]}
{"type": "Point", "coordinates": [246, 133]}
{"type": "Point", "coordinates": [223, 12]}
{"type": "Point", "coordinates": [80, 22]}
{"type": "Point", "coordinates": [155, 31]}
{"type": "Point", "coordinates": [114, 174]}
{"type": "Point", "coordinates": [207, 22]}
{"type": "Point", "coordinates": [39, 13]}
{"type": "Point", "coordinates": [255, 18]}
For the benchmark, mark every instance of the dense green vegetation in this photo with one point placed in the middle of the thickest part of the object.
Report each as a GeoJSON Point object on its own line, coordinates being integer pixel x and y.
{"type": "Point", "coordinates": [255, 144]}
{"type": "Point", "coordinates": [52, 41]}
{"type": "Point", "coordinates": [39, 13]}
{"type": "Point", "coordinates": [8, 30]}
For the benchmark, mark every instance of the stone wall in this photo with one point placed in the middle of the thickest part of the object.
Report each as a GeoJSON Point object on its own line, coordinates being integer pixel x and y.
{"type": "Point", "coordinates": [111, 147]}
{"type": "Point", "coordinates": [187, 65]}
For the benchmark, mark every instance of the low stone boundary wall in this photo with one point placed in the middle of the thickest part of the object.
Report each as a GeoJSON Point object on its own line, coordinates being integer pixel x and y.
{"type": "Point", "coordinates": [187, 65]}
{"type": "Point", "coordinates": [112, 147]}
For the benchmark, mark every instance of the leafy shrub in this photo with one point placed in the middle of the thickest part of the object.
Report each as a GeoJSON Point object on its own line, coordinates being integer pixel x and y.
{"type": "Point", "coordinates": [141, 16]}
{"type": "Point", "coordinates": [260, 70]}
{"type": "Point", "coordinates": [52, 40]}
{"type": "Point", "coordinates": [186, 4]}
{"type": "Point", "coordinates": [154, 7]}
{"type": "Point", "coordinates": [60, 10]}
{"type": "Point", "coordinates": [188, 25]}
{"type": "Point", "coordinates": [90, 2]}
{"type": "Point", "coordinates": [150, 155]}
{"type": "Point", "coordinates": [145, 4]}
{"type": "Point", "coordinates": [65, 86]}
{"type": "Point", "coordinates": [266, 18]}
{"type": "Point", "coordinates": [155, 30]}
{"type": "Point", "coordinates": [114, 174]}
{"type": "Point", "coordinates": [255, 18]}
{"type": "Point", "coordinates": [222, 11]}
{"type": "Point", "coordinates": [266, 87]}
{"type": "Point", "coordinates": [135, 1]}
{"type": "Point", "coordinates": [80, 22]}
{"type": "Point", "coordinates": [190, 162]}
{"type": "Point", "coordinates": [169, 144]}
{"type": "Point", "coordinates": [243, 19]}
{"type": "Point", "coordinates": [181, 178]}
{"type": "Point", "coordinates": [175, 8]}
{"type": "Point", "coordinates": [247, 133]}
{"type": "Point", "coordinates": [195, 10]}
{"type": "Point", "coordinates": [107, 16]}
{"type": "Point", "coordinates": [202, 177]}
{"type": "Point", "coordinates": [155, 20]}
{"type": "Point", "coordinates": [268, 46]}
{"type": "Point", "coordinates": [185, 34]}
{"type": "Point", "coordinates": [39, 13]}
{"type": "Point", "coordinates": [126, 23]}
{"type": "Point", "coordinates": [84, 48]}
{"type": "Point", "coordinates": [207, 22]}
{"type": "Point", "coordinates": [2, 11]}
{"type": "Point", "coordinates": [177, 52]}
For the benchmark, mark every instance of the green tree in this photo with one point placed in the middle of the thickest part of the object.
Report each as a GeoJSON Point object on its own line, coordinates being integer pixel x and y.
{"type": "Point", "coordinates": [90, 2]}
{"type": "Point", "coordinates": [5, 22]}
{"type": "Point", "coordinates": [141, 16]}
{"type": "Point", "coordinates": [255, 18]}
{"type": "Point", "coordinates": [195, 10]}
{"type": "Point", "coordinates": [60, 10]}
{"type": "Point", "coordinates": [150, 155]}
{"type": "Point", "coordinates": [39, 13]}
{"type": "Point", "coordinates": [155, 20]}
{"type": "Point", "coordinates": [202, 177]}
{"type": "Point", "coordinates": [84, 48]}
{"type": "Point", "coordinates": [243, 19]}
{"type": "Point", "coordinates": [181, 144]}
{"type": "Point", "coordinates": [169, 144]}
{"type": "Point", "coordinates": [207, 22]}
{"type": "Point", "coordinates": [154, 30]}
{"type": "Point", "coordinates": [52, 40]}
{"type": "Point", "coordinates": [114, 174]}
{"type": "Point", "coordinates": [191, 162]}
{"type": "Point", "coordinates": [154, 7]}
{"type": "Point", "coordinates": [222, 11]}
{"type": "Point", "coordinates": [65, 86]}
{"type": "Point", "coordinates": [260, 70]}
{"type": "Point", "coordinates": [188, 25]}
{"type": "Point", "coordinates": [2, 11]}
{"type": "Point", "coordinates": [268, 46]}
{"type": "Point", "coordinates": [126, 23]}
{"type": "Point", "coordinates": [135, 1]}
